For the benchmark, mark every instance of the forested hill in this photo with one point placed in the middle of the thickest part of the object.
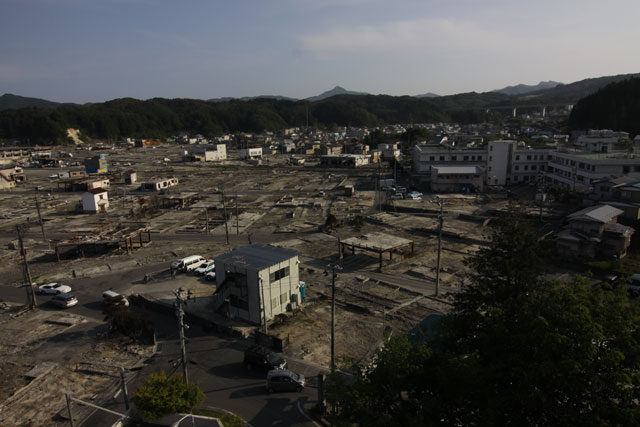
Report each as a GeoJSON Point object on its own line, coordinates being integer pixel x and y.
{"type": "Point", "coordinates": [165, 117]}
{"type": "Point", "coordinates": [617, 107]}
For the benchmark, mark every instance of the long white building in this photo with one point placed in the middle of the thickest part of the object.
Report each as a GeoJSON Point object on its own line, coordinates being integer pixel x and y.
{"type": "Point", "coordinates": [509, 163]}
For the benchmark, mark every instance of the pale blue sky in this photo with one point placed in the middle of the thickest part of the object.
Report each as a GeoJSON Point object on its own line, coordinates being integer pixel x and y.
{"type": "Point", "coordinates": [96, 50]}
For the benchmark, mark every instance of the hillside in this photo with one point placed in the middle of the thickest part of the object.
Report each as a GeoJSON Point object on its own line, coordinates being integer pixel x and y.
{"type": "Point", "coordinates": [617, 107]}
{"type": "Point", "coordinates": [10, 101]}
{"type": "Point", "coordinates": [522, 88]}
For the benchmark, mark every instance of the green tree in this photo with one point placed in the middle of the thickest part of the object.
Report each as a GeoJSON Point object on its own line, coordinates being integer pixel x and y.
{"type": "Point", "coordinates": [515, 350]}
{"type": "Point", "coordinates": [162, 395]}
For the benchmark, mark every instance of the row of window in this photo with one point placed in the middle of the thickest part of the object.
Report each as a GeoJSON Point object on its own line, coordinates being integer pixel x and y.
{"type": "Point", "coordinates": [279, 274]}
{"type": "Point", "coordinates": [534, 157]}
{"type": "Point", "coordinates": [455, 158]}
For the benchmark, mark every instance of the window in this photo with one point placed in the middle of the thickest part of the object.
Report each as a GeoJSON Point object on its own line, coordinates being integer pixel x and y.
{"type": "Point", "coordinates": [453, 158]}
{"type": "Point", "coordinates": [625, 169]}
{"type": "Point", "coordinates": [491, 148]}
{"type": "Point", "coordinates": [432, 158]}
{"type": "Point", "coordinates": [526, 167]}
{"type": "Point", "coordinates": [283, 298]}
{"type": "Point", "coordinates": [465, 158]}
{"type": "Point", "coordinates": [277, 275]}
{"type": "Point", "coordinates": [517, 157]}
{"type": "Point", "coordinates": [274, 302]}
{"type": "Point", "coordinates": [490, 158]}
{"type": "Point", "coordinates": [516, 167]}
{"type": "Point", "coordinates": [533, 167]}
{"type": "Point", "coordinates": [528, 157]}
{"type": "Point", "coordinates": [489, 168]}
{"type": "Point", "coordinates": [480, 158]}
{"type": "Point", "coordinates": [442, 158]}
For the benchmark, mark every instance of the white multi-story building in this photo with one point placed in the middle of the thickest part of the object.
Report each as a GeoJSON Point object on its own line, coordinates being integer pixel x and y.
{"type": "Point", "coordinates": [574, 170]}
{"type": "Point", "coordinates": [504, 162]}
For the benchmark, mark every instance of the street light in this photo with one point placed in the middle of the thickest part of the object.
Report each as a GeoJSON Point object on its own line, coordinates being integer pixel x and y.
{"type": "Point", "coordinates": [334, 274]}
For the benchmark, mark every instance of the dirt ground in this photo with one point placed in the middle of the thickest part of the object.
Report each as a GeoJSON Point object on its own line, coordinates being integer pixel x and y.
{"type": "Point", "coordinates": [32, 388]}
{"type": "Point", "coordinates": [279, 204]}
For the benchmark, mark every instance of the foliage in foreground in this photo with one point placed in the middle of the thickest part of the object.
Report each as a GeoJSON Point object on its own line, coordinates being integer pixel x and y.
{"type": "Point", "coordinates": [515, 350]}
{"type": "Point", "coordinates": [162, 395]}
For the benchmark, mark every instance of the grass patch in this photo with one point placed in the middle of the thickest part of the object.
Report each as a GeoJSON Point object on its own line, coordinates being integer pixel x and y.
{"type": "Point", "coordinates": [228, 420]}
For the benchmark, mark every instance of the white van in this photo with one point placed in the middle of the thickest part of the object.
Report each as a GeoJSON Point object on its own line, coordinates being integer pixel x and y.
{"type": "Point", "coordinates": [192, 262]}
{"type": "Point", "coordinates": [182, 264]}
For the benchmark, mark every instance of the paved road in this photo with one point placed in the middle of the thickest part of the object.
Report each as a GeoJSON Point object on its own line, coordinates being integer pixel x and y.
{"type": "Point", "coordinates": [215, 364]}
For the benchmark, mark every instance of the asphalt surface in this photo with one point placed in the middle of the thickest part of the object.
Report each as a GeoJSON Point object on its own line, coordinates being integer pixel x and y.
{"type": "Point", "coordinates": [215, 361]}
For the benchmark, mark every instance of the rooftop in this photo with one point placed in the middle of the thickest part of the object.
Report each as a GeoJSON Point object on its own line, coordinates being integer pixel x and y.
{"type": "Point", "coordinates": [600, 213]}
{"type": "Point", "coordinates": [257, 256]}
{"type": "Point", "coordinates": [376, 241]}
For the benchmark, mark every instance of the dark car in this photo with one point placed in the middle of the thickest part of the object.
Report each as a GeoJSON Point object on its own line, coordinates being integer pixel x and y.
{"type": "Point", "coordinates": [284, 380]}
{"type": "Point", "coordinates": [263, 358]}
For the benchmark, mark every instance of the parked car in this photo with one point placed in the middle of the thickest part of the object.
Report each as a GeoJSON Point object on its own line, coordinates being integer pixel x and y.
{"type": "Point", "coordinates": [210, 275]}
{"type": "Point", "coordinates": [205, 267]}
{"type": "Point", "coordinates": [111, 298]}
{"type": "Point", "coordinates": [260, 357]}
{"type": "Point", "coordinates": [64, 300]}
{"type": "Point", "coordinates": [414, 197]}
{"type": "Point", "coordinates": [397, 196]}
{"type": "Point", "coordinates": [401, 190]}
{"type": "Point", "coordinates": [284, 380]}
{"type": "Point", "coordinates": [54, 289]}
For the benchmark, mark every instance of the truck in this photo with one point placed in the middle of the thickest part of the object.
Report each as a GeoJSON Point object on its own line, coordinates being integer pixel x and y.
{"type": "Point", "coordinates": [386, 184]}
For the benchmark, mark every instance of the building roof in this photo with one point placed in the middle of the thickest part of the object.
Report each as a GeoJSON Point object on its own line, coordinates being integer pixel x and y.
{"type": "Point", "coordinates": [96, 190]}
{"type": "Point", "coordinates": [458, 170]}
{"type": "Point", "coordinates": [257, 256]}
{"type": "Point", "coordinates": [600, 213]}
{"type": "Point", "coordinates": [377, 241]}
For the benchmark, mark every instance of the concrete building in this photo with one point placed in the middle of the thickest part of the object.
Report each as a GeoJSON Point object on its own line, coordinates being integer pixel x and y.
{"type": "Point", "coordinates": [96, 164]}
{"type": "Point", "coordinates": [251, 153]}
{"type": "Point", "coordinates": [130, 177]}
{"type": "Point", "coordinates": [210, 153]}
{"type": "Point", "coordinates": [95, 200]}
{"type": "Point", "coordinates": [573, 170]}
{"type": "Point", "coordinates": [257, 282]}
{"type": "Point", "coordinates": [458, 179]}
{"type": "Point", "coordinates": [158, 184]}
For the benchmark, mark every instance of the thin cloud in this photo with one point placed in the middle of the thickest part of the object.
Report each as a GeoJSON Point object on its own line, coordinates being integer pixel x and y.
{"type": "Point", "coordinates": [175, 39]}
{"type": "Point", "coordinates": [420, 36]}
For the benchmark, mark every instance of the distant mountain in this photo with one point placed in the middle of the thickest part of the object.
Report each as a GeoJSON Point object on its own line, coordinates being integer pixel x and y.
{"type": "Point", "coordinates": [9, 101]}
{"type": "Point", "coordinates": [572, 92]}
{"type": "Point", "coordinates": [333, 92]}
{"type": "Point", "coordinates": [251, 98]}
{"type": "Point", "coordinates": [521, 89]}
{"type": "Point", "coordinates": [428, 95]}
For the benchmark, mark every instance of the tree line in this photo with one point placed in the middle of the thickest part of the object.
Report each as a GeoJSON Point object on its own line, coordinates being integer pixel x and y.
{"type": "Point", "coordinates": [616, 106]}
{"type": "Point", "coordinates": [161, 118]}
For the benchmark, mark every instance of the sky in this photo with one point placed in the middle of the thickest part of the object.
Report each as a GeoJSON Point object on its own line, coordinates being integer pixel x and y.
{"type": "Point", "coordinates": [97, 50]}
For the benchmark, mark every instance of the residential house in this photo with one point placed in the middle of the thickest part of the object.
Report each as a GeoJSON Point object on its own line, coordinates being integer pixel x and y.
{"type": "Point", "coordinates": [10, 177]}
{"type": "Point", "coordinates": [96, 164]}
{"type": "Point", "coordinates": [210, 153]}
{"type": "Point", "coordinates": [593, 233]}
{"type": "Point", "coordinates": [95, 200]}
{"type": "Point", "coordinates": [130, 177]}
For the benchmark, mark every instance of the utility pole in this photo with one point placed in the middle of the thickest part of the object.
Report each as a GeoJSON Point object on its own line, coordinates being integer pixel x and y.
{"type": "Point", "coordinates": [180, 301]}
{"type": "Point", "coordinates": [125, 392]}
{"type": "Point", "coordinates": [206, 215]}
{"type": "Point", "coordinates": [333, 267]}
{"type": "Point", "coordinates": [31, 294]}
{"type": "Point", "coordinates": [264, 307]}
{"type": "Point", "coordinates": [237, 216]}
{"type": "Point", "coordinates": [440, 220]}
{"type": "Point", "coordinates": [224, 210]}
{"type": "Point", "coordinates": [44, 236]}
{"type": "Point", "coordinates": [68, 398]}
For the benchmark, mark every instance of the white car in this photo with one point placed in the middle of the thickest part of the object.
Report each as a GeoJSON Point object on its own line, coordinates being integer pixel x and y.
{"type": "Point", "coordinates": [64, 300]}
{"type": "Point", "coordinates": [210, 275]}
{"type": "Point", "coordinates": [54, 289]}
{"type": "Point", "coordinates": [205, 268]}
